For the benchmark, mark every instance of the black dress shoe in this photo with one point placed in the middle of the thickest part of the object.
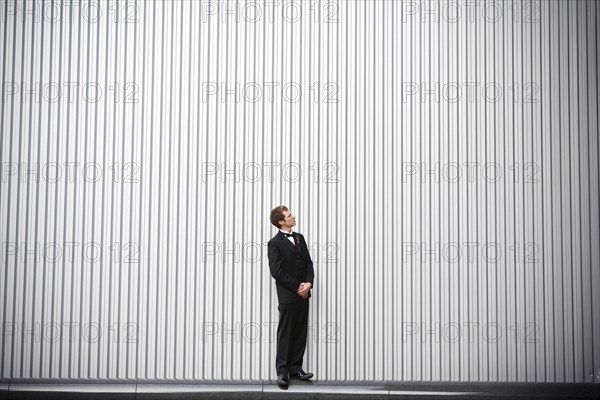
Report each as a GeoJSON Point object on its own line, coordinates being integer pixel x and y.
{"type": "Point", "coordinates": [283, 380]}
{"type": "Point", "coordinates": [303, 376]}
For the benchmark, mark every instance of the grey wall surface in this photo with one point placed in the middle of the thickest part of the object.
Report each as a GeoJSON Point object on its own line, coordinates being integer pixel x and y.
{"type": "Point", "coordinates": [441, 158]}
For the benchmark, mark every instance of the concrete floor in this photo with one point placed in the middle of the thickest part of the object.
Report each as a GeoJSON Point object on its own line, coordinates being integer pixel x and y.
{"type": "Point", "coordinates": [139, 389]}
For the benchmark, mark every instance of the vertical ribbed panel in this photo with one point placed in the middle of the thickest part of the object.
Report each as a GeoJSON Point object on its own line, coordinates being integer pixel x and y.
{"type": "Point", "coordinates": [441, 157]}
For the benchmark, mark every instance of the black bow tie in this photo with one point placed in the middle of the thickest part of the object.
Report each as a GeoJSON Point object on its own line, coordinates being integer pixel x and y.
{"type": "Point", "coordinates": [288, 234]}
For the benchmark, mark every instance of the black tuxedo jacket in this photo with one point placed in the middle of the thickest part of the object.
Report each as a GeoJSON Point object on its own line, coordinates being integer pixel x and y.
{"type": "Point", "coordinates": [290, 265]}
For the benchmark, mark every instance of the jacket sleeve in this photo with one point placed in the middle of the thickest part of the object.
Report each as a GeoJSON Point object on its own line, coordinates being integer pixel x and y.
{"type": "Point", "coordinates": [277, 272]}
{"type": "Point", "coordinates": [310, 272]}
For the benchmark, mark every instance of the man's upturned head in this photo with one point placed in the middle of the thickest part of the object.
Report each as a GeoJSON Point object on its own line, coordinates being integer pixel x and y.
{"type": "Point", "coordinates": [282, 218]}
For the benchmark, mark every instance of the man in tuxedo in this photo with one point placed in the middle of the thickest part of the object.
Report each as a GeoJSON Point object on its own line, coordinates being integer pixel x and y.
{"type": "Point", "coordinates": [292, 269]}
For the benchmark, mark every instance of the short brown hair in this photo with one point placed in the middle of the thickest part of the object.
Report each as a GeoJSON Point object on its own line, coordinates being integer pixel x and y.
{"type": "Point", "coordinates": [277, 215]}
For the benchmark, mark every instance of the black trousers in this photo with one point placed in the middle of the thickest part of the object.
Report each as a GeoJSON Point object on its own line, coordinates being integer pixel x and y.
{"type": "Point", "coordinates": [291, 337]}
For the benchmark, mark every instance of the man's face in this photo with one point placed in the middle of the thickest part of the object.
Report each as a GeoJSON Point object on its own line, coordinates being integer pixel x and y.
{"type": "Point", "coordinates": [288, 221]}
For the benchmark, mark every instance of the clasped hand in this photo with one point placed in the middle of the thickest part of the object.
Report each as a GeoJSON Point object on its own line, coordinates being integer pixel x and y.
{"type": "Point", "coordinates": [303, 289]}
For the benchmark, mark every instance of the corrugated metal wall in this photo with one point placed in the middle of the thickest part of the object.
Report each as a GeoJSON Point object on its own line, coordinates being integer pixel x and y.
{"type": "Point", "coordinates": [441, 157]}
